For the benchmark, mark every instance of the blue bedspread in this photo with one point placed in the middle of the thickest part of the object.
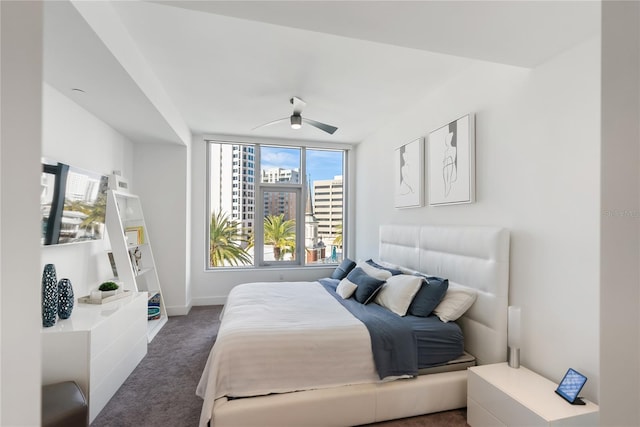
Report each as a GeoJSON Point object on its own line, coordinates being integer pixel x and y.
{"type": "Point", "coordinates": [393, 342]}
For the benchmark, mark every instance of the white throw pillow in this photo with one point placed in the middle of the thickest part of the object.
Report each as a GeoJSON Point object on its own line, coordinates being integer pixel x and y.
{"type": "Point", "coordinates": [397, 294]}
{"type": "Point", "coordinates": [455, 303]}
{"type": "Point", "coordinates": [377, 273]}
{"type": "Point", "coordinates": [346, 288]}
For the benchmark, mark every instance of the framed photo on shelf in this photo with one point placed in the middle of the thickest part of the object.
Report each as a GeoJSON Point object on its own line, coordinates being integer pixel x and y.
{"type": "Point", "coordinates": [451, 163]}
{"type": "Point", "coordinates": [135, 255]}
{"type": "Point", "coordinates": [117, 182]}
{"type": "Point", "coordinates": [112, 262]}
{"type": "Point", "coordinates": [134, 235]}
{"type": "Point", "coordinates": [409, 174]}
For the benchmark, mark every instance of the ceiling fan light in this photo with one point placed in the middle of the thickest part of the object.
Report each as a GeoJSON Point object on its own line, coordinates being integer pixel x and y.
{"type": "Point", "coordinates": [296, 121]}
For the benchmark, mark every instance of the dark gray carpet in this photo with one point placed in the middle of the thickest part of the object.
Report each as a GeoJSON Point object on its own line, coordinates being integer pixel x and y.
{"type": "Point", "coordinates": [161, 390]}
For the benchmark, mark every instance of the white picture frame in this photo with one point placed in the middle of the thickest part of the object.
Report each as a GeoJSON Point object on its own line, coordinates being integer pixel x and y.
{"type": "Point", "coordinates": [451, 161]}
{"type": "Point", "coordinates": [118, 183]}
{"type": "Point", "coordinates": [409, 174]}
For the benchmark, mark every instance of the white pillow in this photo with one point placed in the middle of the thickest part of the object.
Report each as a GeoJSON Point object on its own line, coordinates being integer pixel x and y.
{"type": "Point", "coordinates": [397, 294]}
{"type": "Point", "coordinates": [386, 264]}
{"type": "Point", "coordinates": [455, 303]}
{"type": "Point", "coordinates": [377, 273]}
{"type": "Point", "coordinates": [372, 271]}
{"type": "Point", "coordinates": [346, 288]}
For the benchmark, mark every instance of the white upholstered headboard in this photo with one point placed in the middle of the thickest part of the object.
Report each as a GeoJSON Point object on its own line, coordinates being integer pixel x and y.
{"type": "Point", "coordinates": [476, 257]}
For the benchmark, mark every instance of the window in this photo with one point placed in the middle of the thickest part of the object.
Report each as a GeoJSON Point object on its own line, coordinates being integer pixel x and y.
{"type": "Point", "coordinates": [297, 193]}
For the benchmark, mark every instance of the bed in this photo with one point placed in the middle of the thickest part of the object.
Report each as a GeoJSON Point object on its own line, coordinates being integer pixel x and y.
{"type": "Point", "coordinates": [340, 384]}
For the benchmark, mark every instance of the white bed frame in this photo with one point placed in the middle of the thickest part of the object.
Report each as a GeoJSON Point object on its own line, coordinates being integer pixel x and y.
{"type": "Point", "coordinates": [476, 257]}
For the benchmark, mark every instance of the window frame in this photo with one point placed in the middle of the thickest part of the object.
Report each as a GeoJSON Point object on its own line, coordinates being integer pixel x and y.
{"type": "Point", "coordinates": [301, 190]}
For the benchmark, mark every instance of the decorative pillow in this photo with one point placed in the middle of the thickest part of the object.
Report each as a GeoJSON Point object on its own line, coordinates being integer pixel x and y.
{"type": "Point", "coordinates": [455, 303]}
{"type": "Point", "coordinates": [378, 273]}
{"type": "Point", "coordinates": [384, 266]}
{"type": "Point", "coordinates": [397, 294]}
{"type": "Point", "coordinates": [343, 269]}
{"type": "Point", "coordinates": [346, 288]}
{"type": "Point", "coordinates": [366, 286]}
{"type": "Point", "coordinates": [429, 296]}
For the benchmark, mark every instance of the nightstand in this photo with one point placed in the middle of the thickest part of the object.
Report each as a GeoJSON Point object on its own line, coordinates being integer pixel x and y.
{"type": "Point", "coordinates": [498, 395]}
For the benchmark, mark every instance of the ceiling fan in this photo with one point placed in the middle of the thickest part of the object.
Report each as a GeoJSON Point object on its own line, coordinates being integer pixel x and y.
{"type": "Point", "coordinates": [296, 118]}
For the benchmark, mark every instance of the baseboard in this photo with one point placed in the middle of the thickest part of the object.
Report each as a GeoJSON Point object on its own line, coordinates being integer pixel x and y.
{"type": "Point", "coordinates": [183, 311]}
{"type": "Point", "coordinates": [209, 301]}
{"type": "Point", "coordinates": [178, 310]}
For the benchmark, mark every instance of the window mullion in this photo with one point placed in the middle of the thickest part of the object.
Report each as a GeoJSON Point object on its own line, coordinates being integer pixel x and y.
{"type": "Point", "coordinates": [300, 211]}
{"type": "Point", "coordinates": [258, 223]}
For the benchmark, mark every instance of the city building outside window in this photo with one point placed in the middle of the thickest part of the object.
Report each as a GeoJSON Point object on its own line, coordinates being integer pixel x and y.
{"type": "Point", "coordinates": [298, 196]}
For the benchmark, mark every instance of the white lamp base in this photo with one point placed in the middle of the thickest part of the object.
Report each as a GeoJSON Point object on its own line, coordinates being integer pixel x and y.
{"type": "Point", "coordinates": [513, 357]}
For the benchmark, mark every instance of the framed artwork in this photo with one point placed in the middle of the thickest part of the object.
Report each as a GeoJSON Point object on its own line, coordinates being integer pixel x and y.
{"type": "Point", "coordinates": [409, 174]}
{"type": "Point", "coordinates": [134, 235]}
{"type": "Point", "coordinates": [451, 163]}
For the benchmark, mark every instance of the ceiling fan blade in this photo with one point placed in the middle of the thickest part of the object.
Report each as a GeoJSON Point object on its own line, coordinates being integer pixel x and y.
{"type": "Point", "coordinates": [322, 126]}
{"type": "Point", "coordinates": [298, 105]}
{"type": "Point", "coordinates": [272, 123]}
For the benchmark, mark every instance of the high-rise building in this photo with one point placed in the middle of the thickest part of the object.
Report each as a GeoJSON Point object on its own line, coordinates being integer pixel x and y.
{"type": "Point", "coordinates": [233, 189]}
{"type": "Point", "coordinates": [280, 203]}
{"type": "Point", "coordinates": [328, 207]}
{"type": "Point", "coordinates": [276, 175]}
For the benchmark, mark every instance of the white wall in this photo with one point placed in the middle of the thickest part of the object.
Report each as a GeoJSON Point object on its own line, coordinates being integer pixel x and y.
{"type": "Point", "coordinates": [20, 315]}
{"type": "Point", "coordinates": [620, 250]}
{"type": "Point", "coordinates": [156, 172]}
{"type": "Point", "coordinates": [162, 182]}
{"type": "Point", "coordinates": [537, 139]}
{"type": "Point", "coordinates": [72, 135]}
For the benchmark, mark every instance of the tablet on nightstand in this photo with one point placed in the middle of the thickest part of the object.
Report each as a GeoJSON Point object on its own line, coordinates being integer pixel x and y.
{"type": "Point", "coordinates": [570, 386]}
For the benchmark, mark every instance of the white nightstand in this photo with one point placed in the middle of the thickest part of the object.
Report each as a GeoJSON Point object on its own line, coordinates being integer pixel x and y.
{"type": "Point", "coordinates": [498, 395]}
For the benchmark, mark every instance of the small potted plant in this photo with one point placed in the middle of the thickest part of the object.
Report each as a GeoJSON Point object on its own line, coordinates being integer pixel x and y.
{"type": "Point", "coordinates": [108, 289]}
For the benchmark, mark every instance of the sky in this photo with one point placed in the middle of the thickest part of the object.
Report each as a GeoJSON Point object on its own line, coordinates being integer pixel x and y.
{"type": "Point", "coordinates": [321, 164]}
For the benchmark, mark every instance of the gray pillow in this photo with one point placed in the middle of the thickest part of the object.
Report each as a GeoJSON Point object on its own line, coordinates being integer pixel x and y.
{"type": "Point", "coordinates": [429, 295]}
{"type": "Point", "coordinates": [368, 286]}
{"type": "Point", "coordinates": [343, 269]}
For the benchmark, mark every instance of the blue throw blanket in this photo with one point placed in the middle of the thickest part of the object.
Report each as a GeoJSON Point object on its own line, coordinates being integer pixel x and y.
{"type": "Point", "coordinates": [393, 343]}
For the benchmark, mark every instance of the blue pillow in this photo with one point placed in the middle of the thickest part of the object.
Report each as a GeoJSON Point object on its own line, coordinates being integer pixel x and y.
{"type": "Point", "coordinates": [368, 286]}
{"type": "Point", "coordinates": [393, 271]}
{"type": "Point", "coordinates": [429, 296]}
{"type": "Point", "coordinates": [343, 269]}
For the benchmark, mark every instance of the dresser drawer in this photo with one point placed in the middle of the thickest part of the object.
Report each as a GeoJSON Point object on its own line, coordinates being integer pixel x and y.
{"type": "Point", "coordinates": [498, 395]}
{"type": "Point", "coordinates": [502, 406]}
{"type": "Point", "coordinates": [477, 416]}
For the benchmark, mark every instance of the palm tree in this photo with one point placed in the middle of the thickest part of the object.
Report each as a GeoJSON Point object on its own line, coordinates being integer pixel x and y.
{"type": "Point", "coordinates": [94, 212]}
{"type": "Point", "coordinates": [281, 234]}
{"type": "Point", "coordinates": [225, 239]}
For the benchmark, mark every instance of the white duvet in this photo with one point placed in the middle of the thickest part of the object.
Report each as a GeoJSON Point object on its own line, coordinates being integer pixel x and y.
{"type": "Point", "coordinates": [282, 337]}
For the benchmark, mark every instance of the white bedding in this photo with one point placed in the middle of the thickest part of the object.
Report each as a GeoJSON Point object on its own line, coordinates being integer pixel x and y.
{"type": "Point", "coordinates": [282, 337]}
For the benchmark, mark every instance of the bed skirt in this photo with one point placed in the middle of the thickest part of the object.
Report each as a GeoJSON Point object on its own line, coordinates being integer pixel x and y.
{"type": "Point", "coordinates": [347, 405]}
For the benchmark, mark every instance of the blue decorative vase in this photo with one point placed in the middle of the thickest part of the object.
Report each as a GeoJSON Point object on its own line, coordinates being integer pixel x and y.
{"type": "Point", "coordinates": [49, 296]}
{"type": "Point", "coordinates": [65, 298]}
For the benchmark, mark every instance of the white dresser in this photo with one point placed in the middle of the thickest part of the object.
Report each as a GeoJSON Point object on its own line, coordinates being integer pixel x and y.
{"type": "Point", "coordinates": [98, 347]}
{"type": "Point", "coordinates": [498, 395]}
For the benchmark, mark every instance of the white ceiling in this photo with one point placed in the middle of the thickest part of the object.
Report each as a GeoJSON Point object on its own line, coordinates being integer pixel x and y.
{"type": "Point", "coordinates": [227, 67]}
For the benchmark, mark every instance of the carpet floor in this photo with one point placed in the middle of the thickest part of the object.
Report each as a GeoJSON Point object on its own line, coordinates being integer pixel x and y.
{"type": "Point", "coordinates": [161, 390]}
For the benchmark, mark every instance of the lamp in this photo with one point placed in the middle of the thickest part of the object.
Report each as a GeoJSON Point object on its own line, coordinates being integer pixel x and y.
{"type": "Point", "coordinates": [296, 121]}
{"type": "Point", "coordinates": [513, 336]}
